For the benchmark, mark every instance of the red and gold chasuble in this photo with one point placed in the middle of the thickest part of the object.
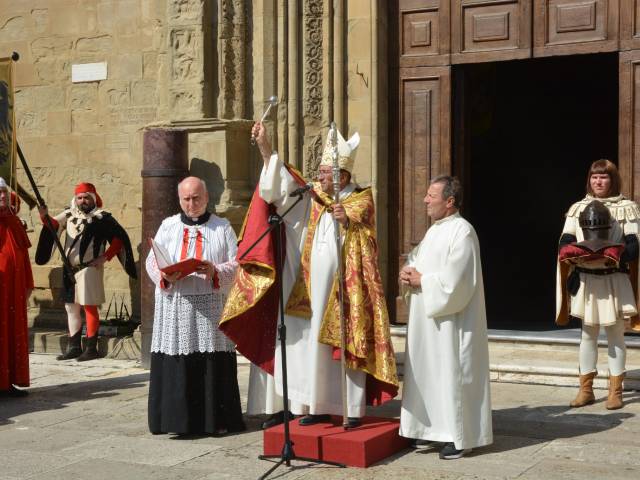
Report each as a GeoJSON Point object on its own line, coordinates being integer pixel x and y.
{"type": "Point", "coordinates": [368, 340]}
{"type": "Point", "coordinates": [250, 314]}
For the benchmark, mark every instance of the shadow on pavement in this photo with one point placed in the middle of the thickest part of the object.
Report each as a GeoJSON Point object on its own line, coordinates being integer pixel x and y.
{"type": "Point", "coordinates": [527, 425]}
{"type": "Point", "coordinates": [63, 395]}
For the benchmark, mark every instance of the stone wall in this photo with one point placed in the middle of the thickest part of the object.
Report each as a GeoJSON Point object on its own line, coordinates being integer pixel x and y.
{"type": "Point", "coordinates": [89, 131]}
{"type": "Point", "coordinates": [189, 63]}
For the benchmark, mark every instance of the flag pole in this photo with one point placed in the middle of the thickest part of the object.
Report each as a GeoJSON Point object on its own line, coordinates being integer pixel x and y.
{"type": "Point", "coordinates": [68, 269]}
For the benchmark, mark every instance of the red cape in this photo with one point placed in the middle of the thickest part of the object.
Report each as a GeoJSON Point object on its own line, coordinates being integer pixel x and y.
{"type": "Point", "coordinates": [15, 279]}
{"type": "Point", "coordinates": [250, 318]}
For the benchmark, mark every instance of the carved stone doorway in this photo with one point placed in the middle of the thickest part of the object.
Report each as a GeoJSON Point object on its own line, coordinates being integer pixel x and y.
{"type": "Point", "coordinates": [524, 134]}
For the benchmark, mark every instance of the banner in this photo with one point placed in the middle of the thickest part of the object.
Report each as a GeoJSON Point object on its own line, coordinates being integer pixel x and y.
{"type": "Point", "coordinates": [7, 124]}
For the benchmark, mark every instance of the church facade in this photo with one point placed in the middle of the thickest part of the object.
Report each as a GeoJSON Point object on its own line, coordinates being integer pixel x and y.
{"type": "Point", "coordinates": [516, 97]}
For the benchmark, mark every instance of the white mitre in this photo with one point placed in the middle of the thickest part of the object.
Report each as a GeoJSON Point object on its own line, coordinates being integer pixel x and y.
{"type": "Point", "coordinates": [346, 151]}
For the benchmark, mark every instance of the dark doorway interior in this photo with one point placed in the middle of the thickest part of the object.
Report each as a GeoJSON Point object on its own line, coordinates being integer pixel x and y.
{"type": "Point", "coordinates": [525, 133]}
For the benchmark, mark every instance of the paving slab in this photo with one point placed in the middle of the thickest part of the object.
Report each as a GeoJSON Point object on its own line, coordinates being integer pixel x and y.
{"type": "Point", "coordinates": [146, 451]}
{"type": "Point", "coordinates": [569, 469]}
{"type": "Point", "coordinates": [101, 469]}
{"type": "Point", "coordinates": [25, 463]}
{"type": "Point", "coordinates": [45, 440]}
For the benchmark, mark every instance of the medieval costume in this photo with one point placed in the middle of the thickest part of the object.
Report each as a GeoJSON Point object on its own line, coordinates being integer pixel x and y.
{"type": "Point", "coordinates": [310, 286]}
{"type": "Point", "coordinates": [446, 396]}
{"type": "Point", "coordinates": [596, 285]}
{"type": "Point", "coordinates": [86, 238]}
{"type": "Point", "coordinates": [16, 282]}
{"type": "Point", "coordinates": [193, 382]}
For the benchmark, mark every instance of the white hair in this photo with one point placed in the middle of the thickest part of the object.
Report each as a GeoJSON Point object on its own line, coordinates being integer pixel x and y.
{"type": "Point", "coordinates": [204, 185]}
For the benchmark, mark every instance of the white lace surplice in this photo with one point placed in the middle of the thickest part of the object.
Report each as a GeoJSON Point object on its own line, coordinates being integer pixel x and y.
{"type": "Point", "coordinates": [186, 314]}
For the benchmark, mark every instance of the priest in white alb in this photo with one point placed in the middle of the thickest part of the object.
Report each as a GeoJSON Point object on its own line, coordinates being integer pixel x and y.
{"type": "Point", "coordinates": [446, 395]}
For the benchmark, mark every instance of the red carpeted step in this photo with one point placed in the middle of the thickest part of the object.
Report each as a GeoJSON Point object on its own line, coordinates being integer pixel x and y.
{"type": "Point", "coordinates": [375, 440]}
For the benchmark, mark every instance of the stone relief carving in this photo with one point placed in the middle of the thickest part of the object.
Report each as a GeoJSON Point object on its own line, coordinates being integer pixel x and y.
{"type": "Point", "coordinates": [313, 51]}
{"type": "Point", "coordinates": [312, 100]}
{"type": "Point", "coordinates": [186, 10]}
{"type": "Point", "coordinates": [313, 154]}
{"type": "Point", "coordinates": [183, 45]}
{"type": "Point", "coordinates": [232, 30]}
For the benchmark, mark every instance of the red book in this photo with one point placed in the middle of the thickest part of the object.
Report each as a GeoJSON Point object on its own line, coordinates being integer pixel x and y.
{"type": "Point", "coordinates": [163, 259]}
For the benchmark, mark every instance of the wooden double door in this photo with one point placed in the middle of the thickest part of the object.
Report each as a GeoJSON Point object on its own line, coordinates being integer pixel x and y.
{"type": "Point", "coordinates": [453, 61]}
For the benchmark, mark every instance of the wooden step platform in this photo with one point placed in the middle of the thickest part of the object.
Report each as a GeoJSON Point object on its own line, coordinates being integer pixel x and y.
{"type": "Point", "coordinates": [371, 442]}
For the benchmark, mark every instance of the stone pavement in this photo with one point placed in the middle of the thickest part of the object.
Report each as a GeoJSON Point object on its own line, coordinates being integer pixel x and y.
{"type": "Point", "coordinates": [88, 421]}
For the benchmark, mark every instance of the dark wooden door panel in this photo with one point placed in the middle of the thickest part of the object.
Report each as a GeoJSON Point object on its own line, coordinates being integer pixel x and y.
{"type": "Point", "coordinates": [425, 151]}
{"type": "Point", "coordinates": [629, 123]}
{"type": "Point", "coordinates": [490, 30]}
{"type": "Point", "coordinates": [565, 27]}
{"type": "Point", "coordinates": [424, 32]}
{"type": "Point", "coordinates": [629, 24]}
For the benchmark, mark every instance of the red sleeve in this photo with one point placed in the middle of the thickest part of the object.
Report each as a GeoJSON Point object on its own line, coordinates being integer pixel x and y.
{"type": "Point", "coordinates": [54, 222]}
{"type": "Point", "coordinates": [114, 248]}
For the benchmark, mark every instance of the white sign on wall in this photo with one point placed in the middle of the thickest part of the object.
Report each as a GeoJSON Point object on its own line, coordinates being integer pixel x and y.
{"type": "Point", "coordinates": [88, 72]}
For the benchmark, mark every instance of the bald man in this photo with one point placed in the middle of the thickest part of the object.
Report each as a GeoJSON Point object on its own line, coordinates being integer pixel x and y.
{"type": "Point", "coordinates": [194, 385]}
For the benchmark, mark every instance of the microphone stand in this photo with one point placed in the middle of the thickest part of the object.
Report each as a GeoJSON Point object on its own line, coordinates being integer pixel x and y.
{"type": "Point", "coordinates": [340, 272]}
{"type": "Point", "coordinates": [275, 221]}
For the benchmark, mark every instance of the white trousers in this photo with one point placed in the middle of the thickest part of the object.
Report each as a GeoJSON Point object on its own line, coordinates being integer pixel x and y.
{"type": "Point", "coordinates": [617, 351]}
{"type": "Point", "coordinates": [74, 317]}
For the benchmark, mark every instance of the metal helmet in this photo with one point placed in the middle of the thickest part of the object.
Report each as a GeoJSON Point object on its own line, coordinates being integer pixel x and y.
{"type": "Point", "coordinates": [596, 222]}
{"type": "Point", "coordinates": [595, 216]}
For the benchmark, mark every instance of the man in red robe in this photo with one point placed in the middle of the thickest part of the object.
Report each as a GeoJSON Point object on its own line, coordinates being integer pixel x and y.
{"type": "Point", "coordinates": [16, 283]}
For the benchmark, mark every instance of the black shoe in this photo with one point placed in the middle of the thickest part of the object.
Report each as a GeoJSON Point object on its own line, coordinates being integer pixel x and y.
{"type": "Point", "coordinates": [314, 419]}
{"type": "Point", "coordinates": [90, 351]}
{"type": "Point", "coordinates": [73, 348]}
{"type": "Point", "coordinates": [419, 444]}
{"type": "Point", "coordinates": [449, 452]}
{"type": "Point", "coordinates": [275, 419]}
{"type": "Point", "coordinates": [88, 355]}
{"type": "Point", "coordinates": [71, 353]}
{"type": "Point", "coordinates": [353, 422]}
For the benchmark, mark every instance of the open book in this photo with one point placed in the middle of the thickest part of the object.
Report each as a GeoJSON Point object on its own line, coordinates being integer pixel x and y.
{"type": "Point", "coordinates": [163, 259]}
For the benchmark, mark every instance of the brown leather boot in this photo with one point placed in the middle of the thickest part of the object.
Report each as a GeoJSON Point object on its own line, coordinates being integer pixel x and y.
{"type": "Point", "coordinates": [585, 394]}
{"type": "Point", "coordinates": [614, 402]}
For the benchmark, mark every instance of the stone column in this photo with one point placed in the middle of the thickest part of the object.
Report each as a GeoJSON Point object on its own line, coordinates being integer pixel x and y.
{"type": "Point", "coordinates": [165, 163]}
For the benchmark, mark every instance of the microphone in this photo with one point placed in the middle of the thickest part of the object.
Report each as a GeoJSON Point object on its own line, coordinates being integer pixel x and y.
{"type": "Point", "coordinates": [301, 190]}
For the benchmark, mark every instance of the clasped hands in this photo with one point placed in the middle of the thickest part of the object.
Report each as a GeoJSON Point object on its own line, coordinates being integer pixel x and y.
{"type": "Point", "coordinates": [410, 277]}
